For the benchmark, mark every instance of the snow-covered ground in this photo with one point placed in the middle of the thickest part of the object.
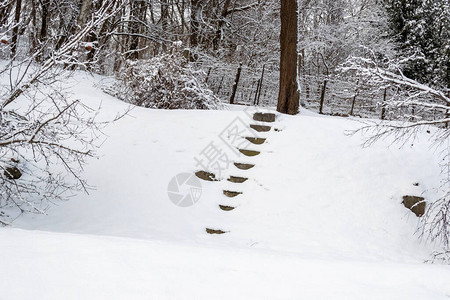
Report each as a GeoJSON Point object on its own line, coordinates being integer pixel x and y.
{"type": "Point", "coordinates": [320, 217]}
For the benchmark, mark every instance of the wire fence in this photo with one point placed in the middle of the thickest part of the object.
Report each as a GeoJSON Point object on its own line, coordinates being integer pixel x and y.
{"type": "Point", "coordinates": [253, 85]}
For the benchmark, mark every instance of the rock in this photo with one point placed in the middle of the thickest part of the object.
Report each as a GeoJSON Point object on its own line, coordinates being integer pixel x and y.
{"type": "Point", "coordinates": [257, 141]}
{"type": "Point", "coordinates": [260, 128]}
{"type": "Point", "coordinates": [206, 176]}
{"type": "Point", "coordinates": [249, 152]}
{"type": "Point", "coordinates": [415, 204]}
{"type": "Point", "coordinates": [237, 179]}
{"type": "Point", "coordinates": [264, 117]}
{"type": "Point", "coordinates": [243, 166]}
{"type": "Point", "coordinates": [226, 207]}
{"type": "Point", "coordinates": [12, 173]}
{"type": "Point", "coordinates": [231, 193]}
{"type": "Point", "coordinates": [214, 231]}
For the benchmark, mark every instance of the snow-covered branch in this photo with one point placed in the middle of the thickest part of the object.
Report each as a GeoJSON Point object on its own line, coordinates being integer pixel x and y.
{"type": "Point", "coordinates": [46, 137]}
{"type": "Point", "coordinates": [64, 54]}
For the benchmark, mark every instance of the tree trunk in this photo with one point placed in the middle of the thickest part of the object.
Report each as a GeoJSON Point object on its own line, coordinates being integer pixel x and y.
{"type": "Point", "coordinates": [15, 34]}
{"type": "Point", "coordinates": [195, 23]}
{"type": "Point", "coordinates": [220, 24]}
{"type": "Point", "coordinates": [33, 36]}
{"type": "Point", "coordinates": [288, 96]}
{"type": "Point", "coordinates": [4, 13]}
{"type": "Point", "coordinates": [44, 19]}
{"type": "Point", "coordinates": [138, 12]}
{"type": "Point", "coordinates": [85, 10]}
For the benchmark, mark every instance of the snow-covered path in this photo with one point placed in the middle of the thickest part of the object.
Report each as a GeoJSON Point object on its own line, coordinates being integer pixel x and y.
{"type": "Point", "coordinates": [319, 217]}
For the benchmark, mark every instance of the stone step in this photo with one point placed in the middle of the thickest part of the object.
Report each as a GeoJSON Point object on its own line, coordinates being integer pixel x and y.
{"type": "Point", "coordinates": [257, 141]}
{"type": "Point", "coordinates": [206, 176]}
{"type": "Point", "coordinates": [249, 152]}
{"type": "Point", "coordinates": [237, 179]}
{"type": "Point", "coordinates": [12, 173]}
{"type": "Point", "coordinates": [231, 194]}
{"type": "Point", "coordinates": [226, 207]}
{"type": "Point", "coordinates": [260, 128]}
{"type": "Point", "coordinates": [415, 203]}
{"type": "Point", "coordinates": [264, 117]}
{"type": "Point", "coordinates": [214, 231]}
{"type": "Point", "coordinates": [243, 166]}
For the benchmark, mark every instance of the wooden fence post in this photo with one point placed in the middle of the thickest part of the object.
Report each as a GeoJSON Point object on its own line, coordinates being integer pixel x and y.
{"type": "Point", "coordinates": [235, 84]}
{"type": "Point", "coordinates": [447, 114]}
{"type": "Point", "coordinates": [353, 104]}
{"type": "Point", "coordinates": [383, 107]}
{"type": "Point", "coordinates": [207, 75]}
{"type": "Point", "coordinates": [220, 86]}
{"type": "Point", "coordinates": [322, 96]}
{"type": "Point", "coordinates": [258, 87]}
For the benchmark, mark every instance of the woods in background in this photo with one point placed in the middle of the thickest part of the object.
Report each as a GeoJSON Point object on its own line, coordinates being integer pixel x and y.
{"type": "Point", "coordinates": [222, 37]}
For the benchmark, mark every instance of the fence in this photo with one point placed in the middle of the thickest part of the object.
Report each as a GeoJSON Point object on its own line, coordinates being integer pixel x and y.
{"type": "Point", "coordinates": [254, 86]}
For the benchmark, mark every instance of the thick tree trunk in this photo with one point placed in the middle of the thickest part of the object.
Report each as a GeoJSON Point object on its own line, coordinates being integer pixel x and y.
{"type": "Point", "coordinates": [288, 96]}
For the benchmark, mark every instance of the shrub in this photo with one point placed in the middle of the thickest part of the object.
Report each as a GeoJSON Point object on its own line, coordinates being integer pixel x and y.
{"type": "Point", "coordinates": [167, 81]}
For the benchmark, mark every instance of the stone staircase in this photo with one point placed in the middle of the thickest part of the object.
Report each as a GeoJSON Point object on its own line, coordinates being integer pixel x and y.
{"type": "Point", "coordinates": [260, 117]}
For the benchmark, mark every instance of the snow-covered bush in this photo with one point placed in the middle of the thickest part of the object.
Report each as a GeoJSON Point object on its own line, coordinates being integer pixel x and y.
{"type": "Point", "coordinates": [166, 81]}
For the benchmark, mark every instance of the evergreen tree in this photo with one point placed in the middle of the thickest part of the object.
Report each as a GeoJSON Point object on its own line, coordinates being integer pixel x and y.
{"type": "Point", "coordinates": [421, 30]}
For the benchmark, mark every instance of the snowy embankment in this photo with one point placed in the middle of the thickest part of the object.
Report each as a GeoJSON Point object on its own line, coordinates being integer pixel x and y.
{"type": "Point", "coordinates": [319, 217]}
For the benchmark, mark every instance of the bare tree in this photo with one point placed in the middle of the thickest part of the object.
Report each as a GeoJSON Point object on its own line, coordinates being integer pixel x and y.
{"type": "Point", "coordinates": [45, 140]}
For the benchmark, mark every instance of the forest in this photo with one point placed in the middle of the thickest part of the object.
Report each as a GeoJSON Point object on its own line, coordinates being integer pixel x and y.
{"type": "Point", "coordinates": [370, 60]}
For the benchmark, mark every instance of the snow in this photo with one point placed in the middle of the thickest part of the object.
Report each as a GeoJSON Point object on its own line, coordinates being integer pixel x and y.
{"type": "Point", "coordinates": [320, 217]}
{"type": "Point", "coordinates": [72, 266]}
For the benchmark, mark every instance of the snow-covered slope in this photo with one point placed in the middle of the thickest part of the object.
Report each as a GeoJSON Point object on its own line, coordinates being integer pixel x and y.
{"type": "Point", "coordinates": [319, 217]}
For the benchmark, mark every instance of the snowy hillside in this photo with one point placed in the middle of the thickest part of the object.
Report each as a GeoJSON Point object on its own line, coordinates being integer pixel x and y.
{"type": "Point", "coordinates": [319, 217]}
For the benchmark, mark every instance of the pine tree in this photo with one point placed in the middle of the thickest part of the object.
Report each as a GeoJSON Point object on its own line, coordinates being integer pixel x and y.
{"type": "Point", "coordinates": [421, 29]}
